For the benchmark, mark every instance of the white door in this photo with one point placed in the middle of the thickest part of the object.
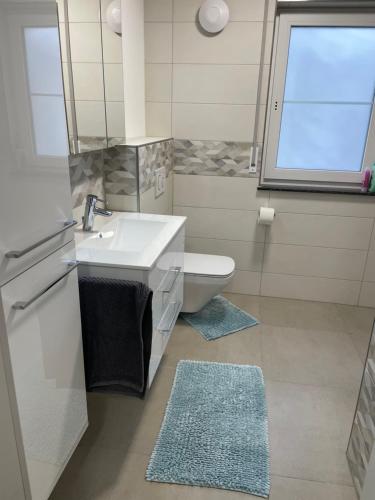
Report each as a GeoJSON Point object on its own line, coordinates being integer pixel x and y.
{"type": "Point", "coordinates": [35, 200]}
{"type": "Point", "coordinates": [45, 366]}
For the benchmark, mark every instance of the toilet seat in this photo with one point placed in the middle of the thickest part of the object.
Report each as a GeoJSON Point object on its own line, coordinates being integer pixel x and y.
{"type": "Point", "coordinates": [215, 266]}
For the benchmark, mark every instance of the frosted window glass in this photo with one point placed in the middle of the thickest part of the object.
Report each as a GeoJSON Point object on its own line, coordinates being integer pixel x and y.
{"type": "Point", "coordinates": [331, 64]}
{"type": "Point", "coordinates": [49, 122]}
{"type": "Point", "coordinates": [329, 91]}
{"type": "Point", "coordinates": [323, 136]}
{"type": "Point", "coordinates": [43, 60]}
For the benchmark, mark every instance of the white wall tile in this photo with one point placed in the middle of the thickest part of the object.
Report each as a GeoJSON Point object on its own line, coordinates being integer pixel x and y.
{"type": "Point", "coordinates": [370, 266]}
{"type": "Point", "coordinates": [226, 84]}
{"type": "Point", "coordinates": [246, 282]}
{"type": "Point", "coordinates": [158, 42]}
{"type": "Point", "coordinates": [62, 31]}
{"type": "Point", "coordinates": [309, 288]}
{"type": "Point", "coordinates": [85, 42]}
{"type": "Point", "coordinates": [160, 205]}
{"type": "Point", "coordinates": [246, 255]}
{"type": "Point", "coordinates": [88, 81]}
{"type": "Point", "coordinates": [112, 45]}
{"type": "Point", "coordinates": [158, 119]}
{"type": "Point", "coordinates": [65, 71]}
{"type": "Point", "coordinates": [323, 204]}
{"type": "Point", "coordinates": [223, 224]}
{"type": "Point", "coordinates": [90, 118]}
{"type": "Point", "coordinates": [220, 122]}
{"type": "Point", "coordinates": [159, 82]}
{"type": "Point", "coordinates": [315, 261]}
{"type": "Point", "coordinates": [158, 10]}
{"type": "Point", "coordinates": [115, 119]}
{"type": "Point", "coordinates": [60, 10]}
{"type": "Point", "coordinates": [240, 10]}
{"type": "Point", "coordinates": [84, 11]}
{"type": "Point", "coordinates": [367, 296]}
{"type": "Point", "coordinates": [269, 42]}
{"type": "Point", "coordinates": [239, 43]}
{"type": "Point", "coordinates": [218, 192]}
{"type": "Point", "coordinates": [114, 82]}
{"type": "Point", "coordinates": [319, 230]}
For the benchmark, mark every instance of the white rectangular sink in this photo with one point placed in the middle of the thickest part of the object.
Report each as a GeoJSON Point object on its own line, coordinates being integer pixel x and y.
{"type": "Point", "coordinates": [129, 240]}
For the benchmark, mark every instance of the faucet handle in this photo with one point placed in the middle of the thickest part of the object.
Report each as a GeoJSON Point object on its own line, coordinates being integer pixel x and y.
{"type": "Point", "coordinates": [94, 198]}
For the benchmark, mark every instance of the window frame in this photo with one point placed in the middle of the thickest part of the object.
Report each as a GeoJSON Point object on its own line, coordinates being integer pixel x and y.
{"type": "Point", "coordinates": [299, 178]}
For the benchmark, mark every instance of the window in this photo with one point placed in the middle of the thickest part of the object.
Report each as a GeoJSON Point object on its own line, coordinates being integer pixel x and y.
{"type": "Point", "coordinates": [321, 122]}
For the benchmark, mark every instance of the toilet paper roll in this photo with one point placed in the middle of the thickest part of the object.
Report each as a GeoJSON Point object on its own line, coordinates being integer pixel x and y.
{"type": "Point", "coordinates": [266, 216]}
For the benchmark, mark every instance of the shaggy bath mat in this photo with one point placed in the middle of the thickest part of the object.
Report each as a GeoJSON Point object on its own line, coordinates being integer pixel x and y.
{"type": "Point", "coordinates": [219, 318]}
{"type": "Point", "coordinates": [215, 430]}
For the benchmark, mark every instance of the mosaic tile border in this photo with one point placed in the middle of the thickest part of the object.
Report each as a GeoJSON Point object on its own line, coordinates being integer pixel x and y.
{"type": "Point", "coordinates": [151, 157]}
{"type": "Point", "coordinates": [129, 168]}
{"type": "Point", "coordinates": [362, 437]}
{"type": "Point", "coordinates": [86, 176]}
{"type": "Point", "coordinates": [222, 158]}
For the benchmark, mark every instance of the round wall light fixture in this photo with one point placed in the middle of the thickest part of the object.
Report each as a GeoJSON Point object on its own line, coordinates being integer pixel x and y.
{"type": "Point", "coordinates": [113, 16]}
{"type": "Point", "coordinates": [213, 15]}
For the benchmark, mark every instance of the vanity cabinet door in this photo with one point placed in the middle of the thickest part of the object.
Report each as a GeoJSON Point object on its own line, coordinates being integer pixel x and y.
{"type": "Point", "coordinates": [35, 198]}
{"type": "Point", "coordinates": [45, 367]}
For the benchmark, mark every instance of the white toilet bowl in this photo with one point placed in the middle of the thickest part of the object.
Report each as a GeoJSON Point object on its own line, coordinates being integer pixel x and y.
{"type": "Point", "coordinates": [204, 277]}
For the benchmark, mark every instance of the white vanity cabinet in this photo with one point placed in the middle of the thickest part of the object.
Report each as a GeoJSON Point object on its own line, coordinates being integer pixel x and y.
{"type": "Point", "coordinates": [41, 348]}
{"type": "Point", "coordinates": [165, 278]}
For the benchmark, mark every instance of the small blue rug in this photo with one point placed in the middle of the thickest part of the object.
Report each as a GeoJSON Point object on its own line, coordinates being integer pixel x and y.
{"type": "Point", "coordinates": [215, 430]}
{"type": "Point", "coordinates": [219, 318]}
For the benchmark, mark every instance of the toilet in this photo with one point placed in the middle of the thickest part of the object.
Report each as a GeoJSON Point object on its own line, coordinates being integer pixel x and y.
{"type": "Point", "coordinates": [204, 277]}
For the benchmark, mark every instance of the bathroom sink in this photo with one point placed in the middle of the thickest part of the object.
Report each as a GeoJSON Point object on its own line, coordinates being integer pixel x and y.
{"type": "Point", "coordinates": [128, 240]}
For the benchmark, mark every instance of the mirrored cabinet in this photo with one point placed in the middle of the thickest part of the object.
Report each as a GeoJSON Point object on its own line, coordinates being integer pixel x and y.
{"type": "Point", "coordinates": [93, 75]}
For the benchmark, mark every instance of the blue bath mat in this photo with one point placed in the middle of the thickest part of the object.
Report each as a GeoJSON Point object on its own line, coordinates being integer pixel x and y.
{"type": "Point", "coordinates": [219, 318]}
{"type": "Point", "coordinates": [215, 430]}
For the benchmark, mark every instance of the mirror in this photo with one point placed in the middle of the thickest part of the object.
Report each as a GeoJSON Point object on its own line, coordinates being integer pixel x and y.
{"type": "Point", "coordinates": [93, 75]}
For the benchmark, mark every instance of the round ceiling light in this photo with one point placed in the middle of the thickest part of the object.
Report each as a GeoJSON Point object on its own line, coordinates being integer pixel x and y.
{"type": "Point", "coordinates": [113, 16]}
{"type": "Point", "coordinates": [214, 15]}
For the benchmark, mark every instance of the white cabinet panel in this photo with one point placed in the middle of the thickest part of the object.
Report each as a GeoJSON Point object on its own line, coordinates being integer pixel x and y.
{"type": "Point", "coordinates": [35, 199]}
{"type": "Point", "coordinates": [45, 352]}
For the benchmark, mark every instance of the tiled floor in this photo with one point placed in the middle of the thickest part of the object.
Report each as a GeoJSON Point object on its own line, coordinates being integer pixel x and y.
{"type": "Point", "coordinates": [311, 355]}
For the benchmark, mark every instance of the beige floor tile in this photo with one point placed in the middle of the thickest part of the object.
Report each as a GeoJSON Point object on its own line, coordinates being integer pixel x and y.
{"type": "Point", "coordinates": [361, 341]}
{"type": "Point", "coordinates": [297, 341]}
{"type": "Point", "coordinates": [316, 357]}
{"type": "Point", "coordinates": [283, 488]}
{"type": "Point", "coordinates": [356, 319]}
{"type": "Point", "coordinates": [186, 343]}
{"type": "Point", "coordinates": [242, 347]}
{"type": "Point", "coordinates": [249, 303]}
{"type": "Point", "coordinates": [309, 431]}
{"type": "Point", "coordinates": [127, 423]}
{"type": "Point", "coordinates": [92, 474]}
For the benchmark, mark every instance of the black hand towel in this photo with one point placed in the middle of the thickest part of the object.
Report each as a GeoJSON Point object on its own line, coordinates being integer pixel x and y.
{"type": "Point", "coordinates": [116, 320]}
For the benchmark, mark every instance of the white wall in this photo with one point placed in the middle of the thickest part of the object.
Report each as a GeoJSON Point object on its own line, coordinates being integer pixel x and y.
{"type": "Point", "coordinates": [320, 246]}
{"type": "Point", "coordinates": [201, 87]}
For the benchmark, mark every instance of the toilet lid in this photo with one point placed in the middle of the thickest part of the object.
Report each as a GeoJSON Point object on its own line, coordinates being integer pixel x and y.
{"type": "Point", "coordinates": [208, 265]}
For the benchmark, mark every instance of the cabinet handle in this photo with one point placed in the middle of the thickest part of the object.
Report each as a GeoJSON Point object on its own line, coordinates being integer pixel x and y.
{"type": "Point", "coordinates": [16, 254]}
{"type": "Point", "coordinates": [167, 328]}
{"type": "Point", "coordinates": [21, 306]}
{"type": "Point", "coordinates": [177, 272]}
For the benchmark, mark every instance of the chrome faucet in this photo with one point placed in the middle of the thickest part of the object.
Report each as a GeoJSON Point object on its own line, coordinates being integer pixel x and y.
{"type": "Point", "coordinates": [91, 210]}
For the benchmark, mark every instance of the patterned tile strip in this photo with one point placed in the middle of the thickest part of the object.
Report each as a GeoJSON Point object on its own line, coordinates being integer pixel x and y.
{"type": "Point", "coordinates": [362, 437]}
{"type": "Point", "coordinates": [229, 159]}
{"type": "Point", "coordinates": [86, 176]}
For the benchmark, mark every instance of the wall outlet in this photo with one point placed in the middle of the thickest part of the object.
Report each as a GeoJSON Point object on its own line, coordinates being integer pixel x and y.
{"type": "Point", "coordinates": [160, 180]}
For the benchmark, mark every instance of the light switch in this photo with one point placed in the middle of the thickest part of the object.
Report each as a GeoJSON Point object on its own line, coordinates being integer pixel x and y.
{"type": "Point", "coordinates": [160, 179]}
